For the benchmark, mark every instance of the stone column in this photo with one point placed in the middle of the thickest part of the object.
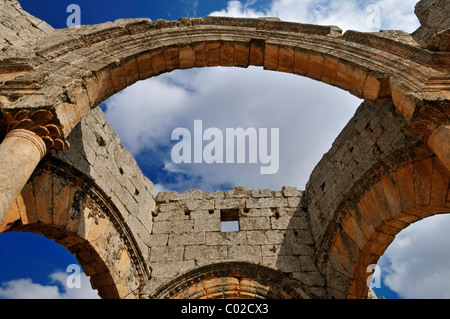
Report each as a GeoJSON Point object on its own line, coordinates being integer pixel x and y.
{"type": "Point", "coordinates": [439, 143]}
{"type": "Point", "coordinates": [20, 153]}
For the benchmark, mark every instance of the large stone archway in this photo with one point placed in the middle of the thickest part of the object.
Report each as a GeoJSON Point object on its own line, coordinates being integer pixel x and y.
{"type": "Point", "coordinates": [377, 178]}
{"type": "Point", "coordinates": [64, 205]}
{"type": "Point", "coordinates": [406, 195]}
{"type": "Point", "coordinates": [358, 196]}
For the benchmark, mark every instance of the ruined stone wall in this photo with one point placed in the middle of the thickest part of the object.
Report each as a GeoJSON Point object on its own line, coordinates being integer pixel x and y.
{"type": "Point", "coordinates": [178, 233]}
{"type": "Point", "coordinates": [97, 153]}
{"type": "Point", "coordinates": [434, 18]}
{"type": "Point", "coordinates": [19, 30]}
{"type": "Point", "coordinates": [273, 232]}
{"type": "Point", "coordinates": [288, 230]}
{"type": "Point", "coordinates": [361, 153]}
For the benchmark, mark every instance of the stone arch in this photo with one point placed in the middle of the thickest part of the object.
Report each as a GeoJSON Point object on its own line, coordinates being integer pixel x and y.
{"type": "Point", "coordinates": [64, 205]}
{"type": "Point", "coordinates": [376, 143]}
{"type": "Point", "coordinates": [407, 194]}
{"type": "Point", "coordinates": [232, 280]}
{"type": "Point", "coordinates": [84, 67]}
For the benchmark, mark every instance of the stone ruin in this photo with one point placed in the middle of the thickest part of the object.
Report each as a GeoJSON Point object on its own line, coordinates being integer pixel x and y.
{"type": "Point", "coordinates": [65, 175]}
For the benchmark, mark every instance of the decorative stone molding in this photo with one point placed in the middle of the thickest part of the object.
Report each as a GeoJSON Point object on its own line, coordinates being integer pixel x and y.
{"type": "Point", "coordinates": [233, 280]}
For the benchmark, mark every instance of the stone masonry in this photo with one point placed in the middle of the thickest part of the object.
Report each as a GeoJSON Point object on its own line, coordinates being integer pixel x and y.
{"type": "Point", "coordinates": [186, 233]}
{"type": "Point", "coordinates": [64, 173]}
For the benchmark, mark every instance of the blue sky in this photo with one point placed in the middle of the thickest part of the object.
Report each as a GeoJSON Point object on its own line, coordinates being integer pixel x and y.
{"type": "Point", "coordinates": [54, 11]}
{"type": "Point", "coordinates": [33, 264]}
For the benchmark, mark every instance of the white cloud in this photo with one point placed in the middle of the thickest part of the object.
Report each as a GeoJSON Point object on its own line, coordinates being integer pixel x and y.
{"type": "Point", "coordinates": [239, 10]}
{"type": "Point", "coordinates": [160, 188]}
{"type": "Point", "coordinates": [346, 14]}
{"type": "Point", "coordinates": [190, 7]}
{"type": "Point", "coordinates": [416, 264]}
{"type": "Point", "coordinates": [308, 114]}
{"type": "Point", "coordinates": [25, 288]}
{"type": "Point", "coordinates": [144, 111]}
{"type": "Point", "coordinates": [398, 15]}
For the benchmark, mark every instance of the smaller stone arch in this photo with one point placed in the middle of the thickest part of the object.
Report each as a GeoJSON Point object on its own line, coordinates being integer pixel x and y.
{"type": "Point", "coordinates": [90, 261]}
{"type": "Point", "coordinates": [64, 205]}
{"type": "Point", "coordinates": [407, 194]}
{"type": "Point", "coordinates": [232, 280]}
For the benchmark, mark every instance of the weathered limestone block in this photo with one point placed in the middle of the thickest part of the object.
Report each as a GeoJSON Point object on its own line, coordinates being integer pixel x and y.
{"type": "Point", "coordinates": [204, 253]}
{"type": "Point", "coordinates": [187, 238]}
{"type": "Point", "coordinates": [228, 238]}
{"type": "Point", "coordinates": [261, 193]}
{"type": "Point", "coordinates": [250, 253]}
{"type": "Point", "coordinates": [16, 43]}
{"type": "Point", "coordinates": [291, 191]}
{"type": "Point", "coordinates": [176, 226]}
{"type": "Point", "coordinates": [433, 16]}
{"type": "Point", "coordinates": [253, 223]}
{"type": "Point", "coordinates": [207, 224]}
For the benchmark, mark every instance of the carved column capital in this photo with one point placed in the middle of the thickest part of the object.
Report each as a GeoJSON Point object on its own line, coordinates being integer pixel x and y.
{"type": "Point", "coordinates": [40, 122]}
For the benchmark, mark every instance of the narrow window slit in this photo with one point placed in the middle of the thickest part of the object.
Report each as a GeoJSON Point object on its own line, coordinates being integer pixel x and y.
{"type": "Point", "coordinates": [229, 220]}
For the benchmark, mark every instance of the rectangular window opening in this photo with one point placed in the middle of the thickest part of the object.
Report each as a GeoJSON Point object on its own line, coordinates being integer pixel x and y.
{"type": "Point", "coordinates": [229, 220]}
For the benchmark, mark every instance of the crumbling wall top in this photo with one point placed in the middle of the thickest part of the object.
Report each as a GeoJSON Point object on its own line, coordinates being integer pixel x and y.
{"type": "Point", "coordinates": [235, 192]}
{"type": "Point", "coordinates": [434, 19]}
{"type": "Point", "coordinates": [19, 30]}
